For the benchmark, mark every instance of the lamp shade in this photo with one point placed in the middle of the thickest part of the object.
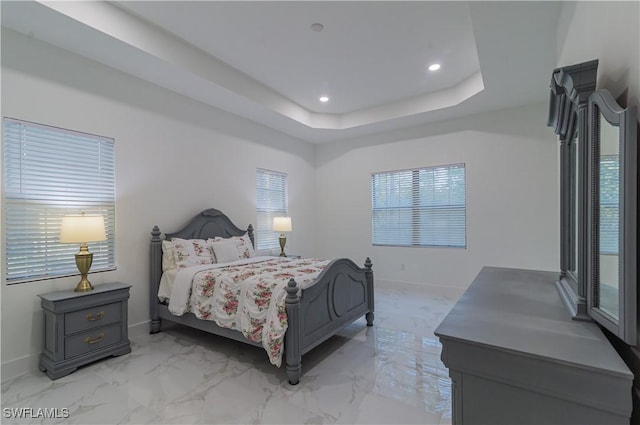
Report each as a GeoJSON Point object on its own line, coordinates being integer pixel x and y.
{"type": "Point", "coordinates": [282, 224]}
{"type": "Point", "coordinates": [82, 228]}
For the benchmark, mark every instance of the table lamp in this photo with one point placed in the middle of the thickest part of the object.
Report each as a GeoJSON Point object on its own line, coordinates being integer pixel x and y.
{"type": "Point", "coordinates": [82, 229]}
{"type": "Point", "coordinates": [282, 225]}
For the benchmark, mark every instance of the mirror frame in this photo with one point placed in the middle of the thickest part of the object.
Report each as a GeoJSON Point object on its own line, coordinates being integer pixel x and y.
{"type": "Point", "coordinates": [602, 105]}
{"type": "Point", "coordinates": [571, 87]}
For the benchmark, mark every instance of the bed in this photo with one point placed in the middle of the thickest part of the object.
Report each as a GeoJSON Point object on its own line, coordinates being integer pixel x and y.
{"type": "Point", "coordinates": [341, 293]}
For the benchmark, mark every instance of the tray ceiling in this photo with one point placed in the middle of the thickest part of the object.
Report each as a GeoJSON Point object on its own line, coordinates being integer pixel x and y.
{"type": "Point", "coordinates": [264, 62]}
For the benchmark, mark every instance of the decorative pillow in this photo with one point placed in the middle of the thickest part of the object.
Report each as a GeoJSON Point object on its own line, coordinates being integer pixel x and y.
{"type": "Point", "coordinates": [243, 243]}
{"type": "Point", "coordinates": [245, 248]}
{"type": "Point", "coordinates": [225, 250]}
{"type": "Point", "coordinates": [191, 252]}
{"type": "Point", "coordinates": [168, 260]}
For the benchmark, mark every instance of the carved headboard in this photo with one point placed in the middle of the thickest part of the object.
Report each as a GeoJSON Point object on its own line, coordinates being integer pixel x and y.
{"type": "Point", "coordinates": [209, 223]}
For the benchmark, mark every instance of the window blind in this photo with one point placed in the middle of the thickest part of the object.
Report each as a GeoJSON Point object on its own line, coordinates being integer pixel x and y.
{"type": "Point", "coordinates": [48, 173]}
{"type": "Point", "coordinates": [609, 204]}
{"type": "Point", "coordinates": [271, 201]}
{"type": "Point", "coordinates": [419, 207]}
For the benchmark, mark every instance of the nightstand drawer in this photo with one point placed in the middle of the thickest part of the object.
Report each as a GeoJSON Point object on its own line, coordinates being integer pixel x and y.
{"type": "Point", "coordinates": [90, 318]}
{"type": "Point", "coordinates": [92, 340]}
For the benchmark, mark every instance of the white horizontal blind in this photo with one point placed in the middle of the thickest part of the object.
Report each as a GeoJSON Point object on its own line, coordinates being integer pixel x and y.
{"type": "Point", "coordinates": [419, 207]}
{"type": "Point", "coordinates": [609, 204]}
{"type": "Point", "coordinates": [271, 201]}
{"type": "Point", "coordinates": [48, 173]}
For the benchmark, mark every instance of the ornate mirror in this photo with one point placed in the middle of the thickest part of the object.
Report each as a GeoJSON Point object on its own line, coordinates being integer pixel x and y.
{"type": "Point", "coordinates": [571, 87]}
{"type": "Point", "coordinates": [612, 231]}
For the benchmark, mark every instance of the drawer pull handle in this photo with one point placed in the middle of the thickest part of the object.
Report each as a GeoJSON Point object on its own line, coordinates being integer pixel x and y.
{"type": "Point", "coordinates": [99, 338]}
{"type": "Point", "coordinates": [93, 317]}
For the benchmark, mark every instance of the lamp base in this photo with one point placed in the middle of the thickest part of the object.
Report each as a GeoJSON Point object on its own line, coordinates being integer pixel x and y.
{"type": "Point", "coordinates": [84, 285]}
{"type": "Point", "coordinates": [283, 242]}
{"type": "Point", "coordinates": [84, 258]}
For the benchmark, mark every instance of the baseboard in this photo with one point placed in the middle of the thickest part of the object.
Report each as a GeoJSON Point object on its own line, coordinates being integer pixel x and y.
{"type": "Point", "coordinates": [139, 329]}
{"type": "Point", "coordinates": [29, 364]}
{"type": "Point", "coordinates": [14, 368]}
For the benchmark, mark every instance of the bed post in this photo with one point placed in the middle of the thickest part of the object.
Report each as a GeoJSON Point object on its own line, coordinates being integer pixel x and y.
{"type": "Point", "coordinates": [369, 274]}
{"type": "Point", "coordinates": [293, 356]}
{"type": "Point", "coordinates": [156, 270]}
{"type": "Point", "coordinates": [250, 233]}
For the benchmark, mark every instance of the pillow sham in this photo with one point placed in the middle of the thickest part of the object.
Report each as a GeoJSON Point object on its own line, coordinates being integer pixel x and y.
{"type": "Point", "coordinates": [168, 260]}
{"type": "Point", "coordinates": [225, 250]}
{"type": "Point", "coordinates": [243, 243]}
{"type": "Point", "coordinates": [245, 247]}
{"type": "Point", "coordinates": [191, 252]}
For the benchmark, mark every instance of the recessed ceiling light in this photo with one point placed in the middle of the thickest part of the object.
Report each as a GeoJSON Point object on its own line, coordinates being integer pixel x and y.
{"type": "Point", "coordinates": [324, 99]}
{"type": "Point", "coordinates": [317, 27]}
{"type": "Point", "coordinates": [434, 67]}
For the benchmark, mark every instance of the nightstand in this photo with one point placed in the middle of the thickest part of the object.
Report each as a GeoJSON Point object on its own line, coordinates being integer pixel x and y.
{"type": "Point", "coordinates": [294, 256]}
{"type": "Point", "coordinates": [82, 327]}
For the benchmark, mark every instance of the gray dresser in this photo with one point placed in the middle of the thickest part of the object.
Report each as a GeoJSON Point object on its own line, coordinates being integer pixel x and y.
{"type": "Point", "coordinates": [82, 327]}
{"type": "Point", "coordinates": [516, 357]}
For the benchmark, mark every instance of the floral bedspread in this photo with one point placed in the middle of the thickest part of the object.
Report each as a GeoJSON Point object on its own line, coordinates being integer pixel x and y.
{"type": "Point", "coordinates": [251, 298]}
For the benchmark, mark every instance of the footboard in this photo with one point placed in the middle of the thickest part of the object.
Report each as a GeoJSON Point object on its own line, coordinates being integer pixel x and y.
{"type": "Point", "coordinates": [341, 294]}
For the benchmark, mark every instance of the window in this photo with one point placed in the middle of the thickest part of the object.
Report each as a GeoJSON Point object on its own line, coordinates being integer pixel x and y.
{"type": "Point", "coordinates": [48, 173]}
{"type": "Point", "coordinates": [271, 201]}
{"type": "Point", "coordinates": [419, 207]}
{"type": "Point", "coordinates": [609, 204]}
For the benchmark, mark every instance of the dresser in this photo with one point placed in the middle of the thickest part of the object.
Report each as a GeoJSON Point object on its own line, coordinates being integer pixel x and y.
{"type": "Point", "coordinates": [82, 327]}
{"type": "Point", "coordinates": [516, 357]}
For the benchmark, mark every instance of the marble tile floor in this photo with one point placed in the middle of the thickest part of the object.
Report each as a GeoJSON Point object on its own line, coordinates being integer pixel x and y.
{"type": "Point", "coordinates": [390, 373]}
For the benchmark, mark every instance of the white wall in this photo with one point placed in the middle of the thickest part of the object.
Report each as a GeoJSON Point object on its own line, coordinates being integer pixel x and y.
{"type": "Point", "coordinates": [512, 196]}
{"type": "Point", "coordinates": [174, 158]}
{"type": "Point", "coordinates": [610, 32]}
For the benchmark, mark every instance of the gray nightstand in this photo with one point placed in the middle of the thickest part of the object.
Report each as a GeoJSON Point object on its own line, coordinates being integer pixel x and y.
{"type": "Point", "coordinates": [81, 327]}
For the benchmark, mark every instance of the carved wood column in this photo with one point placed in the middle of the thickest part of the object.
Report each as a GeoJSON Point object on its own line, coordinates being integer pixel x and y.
{"type": "Point", "coordinates": [571, 87]}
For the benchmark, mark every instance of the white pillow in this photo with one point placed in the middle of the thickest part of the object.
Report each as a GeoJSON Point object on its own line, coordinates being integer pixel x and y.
{"type": "Point", "coordinates": [225, 250]}
{"type": "Point", "coordinates": [243, 244]}
{"type": "Point", "coordinates": [191, 252]}
{"type": "Point", "coordinates": [245, 248]}
{"type": "Point", "coordinates": [168, 260]}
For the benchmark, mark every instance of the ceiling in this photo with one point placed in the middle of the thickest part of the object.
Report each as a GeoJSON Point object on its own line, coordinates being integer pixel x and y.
{"type": "Point", "coordinates": [264, 61]}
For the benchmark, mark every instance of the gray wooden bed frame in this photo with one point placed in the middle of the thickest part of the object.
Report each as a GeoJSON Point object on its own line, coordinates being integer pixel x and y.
{"type": "Point", "coordinates": [341, 294]}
